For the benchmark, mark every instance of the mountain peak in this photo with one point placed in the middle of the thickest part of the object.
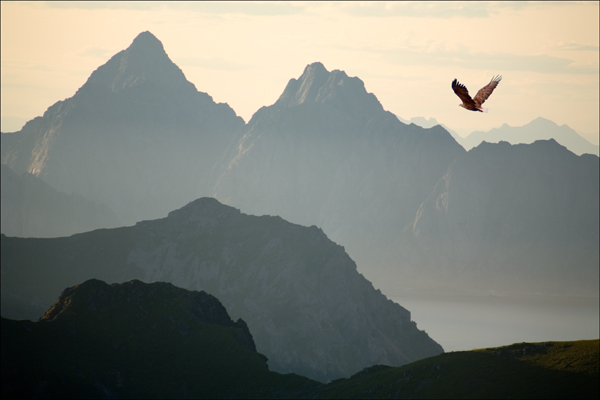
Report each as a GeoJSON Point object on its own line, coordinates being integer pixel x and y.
{"type": "Point", "coordinates": [145, 60]}
{"type": "Point", "coordinates": [146, 40]}
{"type": "Point", "coordinates": [305, 88]}
{"type": "Point", "coordinates": [130, 297]}
{"type": "Point", "coordinates": [315, 68]}
{"type": "Point", "coordinates": [542, 122]}
{"type": "Point", "coordinates": [317, 85]}
{"type": "Point", "coordinates": [202, 210]}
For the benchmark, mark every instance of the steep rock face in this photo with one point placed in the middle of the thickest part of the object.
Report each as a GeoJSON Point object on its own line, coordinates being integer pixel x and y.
{"type": "Point", "coordinates": [137, 136]}
{"type": "Point", "coordinates": [31, 208]}
{"type": "Point", "coordinates": [328, 154]}
{"type": "Point", "coordinates": [309, 310]}
{"type": "Point", "coordinates": [538, 129]}
{"type": "Point", "coordinates": [136, 340]}
{"type": "Point", "coordinates": [512, 218]}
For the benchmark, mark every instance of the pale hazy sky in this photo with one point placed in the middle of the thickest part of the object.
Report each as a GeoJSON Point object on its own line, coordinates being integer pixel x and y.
{"type": "Point", "coordinates": [244, 53]}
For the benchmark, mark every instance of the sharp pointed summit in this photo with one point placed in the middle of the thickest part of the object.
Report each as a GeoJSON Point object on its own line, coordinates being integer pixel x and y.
{"type": "Point", "coordinates": [335, 88]}
{"type": "Point", "coordinates": [147, 39]}
{"type": "Point", "coordinates": [144, 61]}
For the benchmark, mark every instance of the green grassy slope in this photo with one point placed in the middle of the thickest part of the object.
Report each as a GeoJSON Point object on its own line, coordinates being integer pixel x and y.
{"type": "Point", "coordinates": [526, 370]}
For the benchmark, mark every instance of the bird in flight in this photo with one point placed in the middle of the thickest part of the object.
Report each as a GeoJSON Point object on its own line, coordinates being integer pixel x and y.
{"type": "Point", "coordinates": [481, 96]}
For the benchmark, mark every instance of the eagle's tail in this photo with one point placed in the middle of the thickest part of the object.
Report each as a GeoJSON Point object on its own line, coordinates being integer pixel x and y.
{"type": "Point", "coordinates": [483, 109]}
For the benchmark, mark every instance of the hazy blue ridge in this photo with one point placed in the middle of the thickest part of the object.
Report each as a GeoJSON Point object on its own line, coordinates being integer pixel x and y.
{"type": "Point", "coordinates": [509, 220]}
{"type": "Point", "coordinates": [31, 208]}
{"type": "Point", "coordinates": [538, 129]}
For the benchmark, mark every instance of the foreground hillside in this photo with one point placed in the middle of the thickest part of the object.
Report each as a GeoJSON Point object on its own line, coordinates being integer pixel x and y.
{"type": "Point", "coordinates": [549, 370]}
{"type": "Point", "coordinates": [138, 340]}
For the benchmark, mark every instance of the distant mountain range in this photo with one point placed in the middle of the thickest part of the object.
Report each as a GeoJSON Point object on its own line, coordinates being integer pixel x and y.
{"type": "Point", "coordinates": [308, 308]}
{"type": "Point", "coordinates": [538, 129]}
{"type": "Point", "coordinates": [137, 340]}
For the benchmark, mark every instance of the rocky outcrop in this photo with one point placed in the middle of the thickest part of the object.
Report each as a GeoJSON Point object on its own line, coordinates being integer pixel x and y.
{"type": "Point", "coordinates": [148, 303]}
{"type": "Point", "coordinates": [309, 310]}
{"type": "Point", "coordinates": [137, 340]}
{"type": "Point", "coordinates": [31, 208]}
{"type": "Point", "coordinates": [137, 136]}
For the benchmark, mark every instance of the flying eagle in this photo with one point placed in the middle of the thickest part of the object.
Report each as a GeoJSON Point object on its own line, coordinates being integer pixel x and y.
{"type": "Point", "coordinates": [475, 104]}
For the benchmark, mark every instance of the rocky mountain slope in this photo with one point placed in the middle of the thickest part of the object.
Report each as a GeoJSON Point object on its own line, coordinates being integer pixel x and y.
{"type": "Point", "coordinates": [328, 154]}
{"type": "Point", "coordinates": [510, 218]}
{"type": "Point", "coordinates": [137, 136]}
{"type": "Point", "coordinates": [137, 340]}
{"type": "Point", "coordinates": [309, 310]}
{"type": "Point", "coordinates": [31, 208]}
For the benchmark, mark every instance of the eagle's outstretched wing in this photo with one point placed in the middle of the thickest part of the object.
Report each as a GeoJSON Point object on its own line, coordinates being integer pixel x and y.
{"type": "Point", "coordinates": [486, 91]}
{"type": "Point", "coordinates": [462, 92]}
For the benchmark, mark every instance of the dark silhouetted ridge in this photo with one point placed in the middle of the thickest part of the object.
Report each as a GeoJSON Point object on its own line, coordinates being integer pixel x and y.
{"type": "Point", "coordinates": [137, 340]}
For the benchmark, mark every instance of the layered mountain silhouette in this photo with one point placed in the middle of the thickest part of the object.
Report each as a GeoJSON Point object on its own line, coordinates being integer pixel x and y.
{"type": "Point", "coordinates": [538, 129]}
{"type": "Point", "coordinates": [328, 154]}
{"type": "Point", "coordinates": [31, 208]}
{"type": "Point", "coordinates": [140, 139]}
{"type": "Point", "coordinates": [137, 340]}
{"type": "Point", "coordinates": [309, 310]}
{"type": "Point", "coordinates": [510, 218]}
{"type": "Point", "coordinates": [137, 136]}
